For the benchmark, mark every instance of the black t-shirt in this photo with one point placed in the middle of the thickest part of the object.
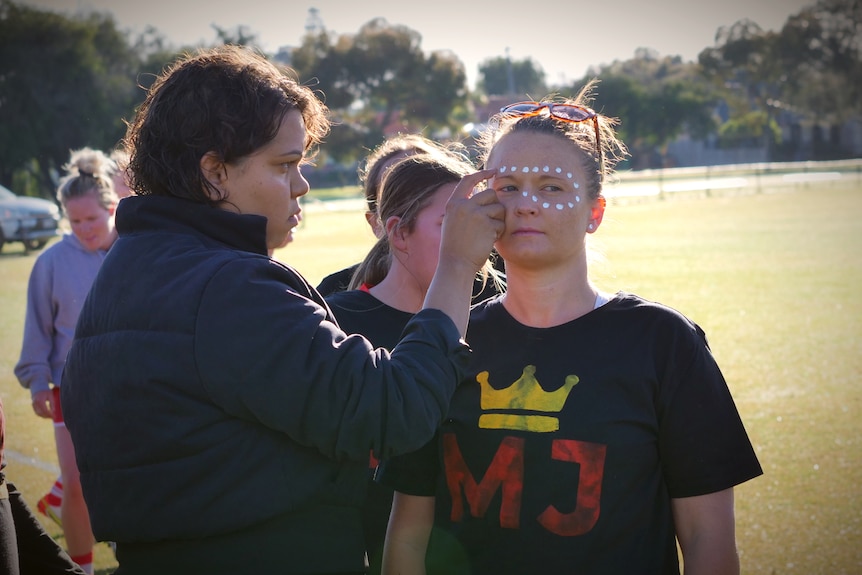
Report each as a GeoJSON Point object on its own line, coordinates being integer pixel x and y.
{"type": "Point", "coordinates": [563, 448]}
{"type": "Point", "coordinates": [357, 311]}
{"type": "Point", "coordinates": [336, 282]}
{"type": "Point", "coordinates": [339, 281]}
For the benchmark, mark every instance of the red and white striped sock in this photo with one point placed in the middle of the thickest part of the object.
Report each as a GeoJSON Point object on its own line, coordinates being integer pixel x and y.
{"type": "Point", "coordinates": [85, 561]}
{"type": "Point", "coordinates": [57, 488]}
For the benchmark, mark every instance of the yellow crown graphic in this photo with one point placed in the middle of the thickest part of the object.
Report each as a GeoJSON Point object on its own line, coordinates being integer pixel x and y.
{"type": "Point", "coordinates": [524, 395]}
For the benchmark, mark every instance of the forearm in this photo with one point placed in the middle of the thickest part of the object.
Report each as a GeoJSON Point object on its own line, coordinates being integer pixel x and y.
{"type": "Point", "coordinates": [450, 292]}
{"type": "Point", "coordinates": [407, 536]}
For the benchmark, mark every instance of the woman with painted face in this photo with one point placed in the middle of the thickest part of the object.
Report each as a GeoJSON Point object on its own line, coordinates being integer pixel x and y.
{"type": "Point", "coordinates": [594, 431]}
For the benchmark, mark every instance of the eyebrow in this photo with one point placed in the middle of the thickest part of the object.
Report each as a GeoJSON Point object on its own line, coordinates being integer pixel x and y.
{"type": "Point", "coordinates": [292, 153]}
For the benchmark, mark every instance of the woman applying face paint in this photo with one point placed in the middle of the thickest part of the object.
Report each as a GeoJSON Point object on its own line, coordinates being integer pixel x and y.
{"type": "Point", "coordinates": [594, 431]}
{"type": "Point", "coordinates": [227, 364]}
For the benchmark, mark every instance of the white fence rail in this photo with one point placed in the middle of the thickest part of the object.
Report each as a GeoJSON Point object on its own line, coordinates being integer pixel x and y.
{"type": "Point", "coordinates": [729, 179]}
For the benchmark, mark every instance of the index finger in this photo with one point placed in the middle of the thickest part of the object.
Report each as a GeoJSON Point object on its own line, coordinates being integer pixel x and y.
{"type": "Point", "coordinates": [466, 187]}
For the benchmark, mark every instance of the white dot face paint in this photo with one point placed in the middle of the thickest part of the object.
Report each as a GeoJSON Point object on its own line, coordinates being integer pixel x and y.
{"type": "Point", "coordinates": [537, 195]}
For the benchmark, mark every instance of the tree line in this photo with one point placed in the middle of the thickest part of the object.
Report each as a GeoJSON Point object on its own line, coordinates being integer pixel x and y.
{"type": "Point", "coordinates": [71, 81]}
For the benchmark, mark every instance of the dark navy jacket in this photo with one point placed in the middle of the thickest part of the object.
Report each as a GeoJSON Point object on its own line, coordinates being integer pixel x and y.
{"type": "Point", "coordinates": [222, 421]}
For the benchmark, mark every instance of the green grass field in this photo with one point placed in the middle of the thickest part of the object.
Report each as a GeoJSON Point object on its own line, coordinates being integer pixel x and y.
{"type": "Point", "coordinates": [772, 278]}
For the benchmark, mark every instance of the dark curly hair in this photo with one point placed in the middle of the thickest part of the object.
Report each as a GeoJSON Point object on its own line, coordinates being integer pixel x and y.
{"type": "Point", "coordinates": [228, 100]}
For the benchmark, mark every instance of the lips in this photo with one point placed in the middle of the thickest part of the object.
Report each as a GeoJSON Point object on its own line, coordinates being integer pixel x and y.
{"type": "Point", "coordinates": [525, 232]}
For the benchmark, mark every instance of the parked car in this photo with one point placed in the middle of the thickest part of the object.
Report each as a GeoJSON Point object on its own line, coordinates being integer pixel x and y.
{"type": "Point", "coordinates": [31, 221]}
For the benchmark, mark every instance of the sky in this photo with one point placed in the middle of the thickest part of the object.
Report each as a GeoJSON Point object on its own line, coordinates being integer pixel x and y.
{"type": "Point", "coordinates": [564, 37]}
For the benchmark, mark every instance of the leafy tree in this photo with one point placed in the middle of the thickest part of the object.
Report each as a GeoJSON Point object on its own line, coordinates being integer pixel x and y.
{"type": "Point", "coordinates": [499, 76]}
{"type": "Point", "coordinates": [378, 78]}
{"type": "Point", "coordinates": [820, 50]}
{"type": "Point", "coordinates": [812, 69]}
{"type": "Point", "coordinates": [64, 83]}
{"type": "Point", "coordinates": [239, 36]}
{"type": "Point", "coordinates": [744, 65]}
{"type": "Point", "coordinates": [656, 99]}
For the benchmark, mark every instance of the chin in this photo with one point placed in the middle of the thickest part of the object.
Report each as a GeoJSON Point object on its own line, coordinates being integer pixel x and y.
{"type": "Point", "coordinates": [285, 241]}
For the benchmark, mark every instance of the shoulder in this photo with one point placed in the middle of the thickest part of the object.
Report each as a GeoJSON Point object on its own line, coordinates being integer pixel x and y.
{"type": "Point", "coordinates": [637, 307]}
{"type": "Point", "coordinates": [490, 316]}
{"type": "Point", "coordinates": [337, 281]}
{"type": "Point", "coordinates": [57, 255]}
{"type": "Point", "coordinates": [350, 299]}
{"type": "Point", "coordinates": [359, 304]}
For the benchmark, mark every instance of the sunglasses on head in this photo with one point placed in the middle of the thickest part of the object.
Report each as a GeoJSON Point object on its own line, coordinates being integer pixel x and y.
{"type": "Point", "coordinates": [563, 112]}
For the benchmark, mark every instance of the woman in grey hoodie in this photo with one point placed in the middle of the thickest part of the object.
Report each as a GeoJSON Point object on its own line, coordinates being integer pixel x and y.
{"type": "Point", "coordinates": [59, 283]}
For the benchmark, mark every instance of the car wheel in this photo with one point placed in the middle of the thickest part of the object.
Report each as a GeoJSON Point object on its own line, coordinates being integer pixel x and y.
{"type": "Point", "coordinates": [35, 244]}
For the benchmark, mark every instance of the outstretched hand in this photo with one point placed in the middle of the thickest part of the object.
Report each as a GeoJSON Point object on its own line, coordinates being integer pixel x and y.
{"type": "Point", "coordinates": [474, 220]}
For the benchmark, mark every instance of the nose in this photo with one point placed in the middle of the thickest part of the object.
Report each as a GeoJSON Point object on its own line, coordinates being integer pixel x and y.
{"type": "Point", "coordinates": [525, 202]}
{"type": "Point", "coordinates": [299, 186]}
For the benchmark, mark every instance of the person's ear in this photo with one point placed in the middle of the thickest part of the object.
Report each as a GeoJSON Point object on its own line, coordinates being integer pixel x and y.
{"type": "Point", "coordinates": [597, 213]}
{"type": "Point", "coordinates": [395, 233]}
{"type": "Point", "coordinates": [214, 172]}
{"type": "Point", "coordinates": [376, 228]}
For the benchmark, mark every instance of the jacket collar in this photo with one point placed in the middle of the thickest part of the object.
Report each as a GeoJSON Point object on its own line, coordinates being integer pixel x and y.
{"type": "Point", "coordinates": [137, 214]}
